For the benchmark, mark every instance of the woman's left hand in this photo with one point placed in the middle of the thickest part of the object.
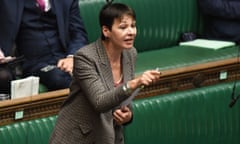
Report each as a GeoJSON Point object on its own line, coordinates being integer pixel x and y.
{"type": "Point", "coordinates": [122, 115]}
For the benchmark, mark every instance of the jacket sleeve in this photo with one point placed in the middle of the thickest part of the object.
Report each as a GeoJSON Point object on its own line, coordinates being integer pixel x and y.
{"type": "Point", "coordinates": [227, 9]}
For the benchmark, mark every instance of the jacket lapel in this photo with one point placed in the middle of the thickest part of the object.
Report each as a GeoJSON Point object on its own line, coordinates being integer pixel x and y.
{"type": "Point", "coordinates": [105, 67]}
{"type": "Point", "coordinates": [126, 66]}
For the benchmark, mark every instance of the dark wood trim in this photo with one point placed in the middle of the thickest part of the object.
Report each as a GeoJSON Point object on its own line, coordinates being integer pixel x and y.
{"type": "Point", "coordinates": [193, 76]}
{"type": "Point", "coordinates": [37, 106]}
{"type": "Point", "coordinates": [183, 78]}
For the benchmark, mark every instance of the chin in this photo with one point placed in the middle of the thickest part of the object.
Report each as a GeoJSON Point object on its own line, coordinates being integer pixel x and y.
{"type": "Point", "coordinates": [127, 48]}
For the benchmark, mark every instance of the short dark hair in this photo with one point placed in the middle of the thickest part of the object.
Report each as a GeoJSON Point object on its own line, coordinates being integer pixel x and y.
{"type": "Point", "coordinates": [111, 11]}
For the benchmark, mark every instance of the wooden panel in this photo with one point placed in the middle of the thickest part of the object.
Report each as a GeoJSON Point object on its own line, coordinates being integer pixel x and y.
{"type": "Point", "coordinates": [194, 76]}
{"type": "Point", "coordinates": [42, 105]}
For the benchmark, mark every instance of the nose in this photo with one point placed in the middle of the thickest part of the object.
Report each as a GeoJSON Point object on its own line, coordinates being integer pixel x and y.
{"type": "Point", "coordinates": [131, 31]}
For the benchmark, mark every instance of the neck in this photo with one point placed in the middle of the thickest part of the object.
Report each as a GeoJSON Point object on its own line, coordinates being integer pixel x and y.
{"type": "Point", "coordinates": [114, 56]}
{"type": "Point", "coordinates": [113, 53]}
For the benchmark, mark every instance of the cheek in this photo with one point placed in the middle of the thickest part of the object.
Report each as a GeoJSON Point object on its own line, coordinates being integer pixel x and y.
{"type": "Point", "coordinates": [135, 31]}
{"type": "Point", "coordinates": [120, 35]}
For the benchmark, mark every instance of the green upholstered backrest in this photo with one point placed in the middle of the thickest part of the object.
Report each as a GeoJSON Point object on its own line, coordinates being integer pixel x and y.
{"type": "Point", "coordinates": [29, 132]}
{"type": "Point", "coordinates": [199, 116]}
{"type": "Point", "coordinates": [159, 22]}
{"type": "Point", "coordinates": [89, 10]}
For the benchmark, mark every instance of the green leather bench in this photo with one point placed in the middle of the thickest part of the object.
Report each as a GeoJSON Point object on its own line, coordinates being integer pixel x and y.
{"type": "Point", "coordinates": [199, 116]}
{"type": "Point", "coordinates": [29, 132]}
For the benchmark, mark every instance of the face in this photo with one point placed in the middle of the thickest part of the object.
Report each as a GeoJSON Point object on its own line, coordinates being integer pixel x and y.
{"type": "Point", "coordinates": [123, 32]}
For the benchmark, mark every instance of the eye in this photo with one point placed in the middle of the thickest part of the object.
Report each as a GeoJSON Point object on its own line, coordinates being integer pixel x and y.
{"type": "Point", "coordinates": [133, 25]}
{"type": "Point", "coordinates": [122, 26]}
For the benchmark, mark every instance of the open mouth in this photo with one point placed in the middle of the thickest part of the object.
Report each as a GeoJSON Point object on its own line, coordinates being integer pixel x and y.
{"type": "Point", "coordinates": [129, 40]}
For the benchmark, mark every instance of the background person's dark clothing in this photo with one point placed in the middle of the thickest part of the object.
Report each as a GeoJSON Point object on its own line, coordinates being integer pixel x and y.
{"type": "Point", "coordinates": [42, 37]}
{"type": "Point", "coordinates": [5, 80]}
{"type": "Point", "coordinates": [222, 19]}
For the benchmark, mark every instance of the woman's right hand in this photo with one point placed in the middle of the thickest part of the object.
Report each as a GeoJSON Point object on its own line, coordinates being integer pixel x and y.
{"type": "Point", "coordinates": [147, 78]}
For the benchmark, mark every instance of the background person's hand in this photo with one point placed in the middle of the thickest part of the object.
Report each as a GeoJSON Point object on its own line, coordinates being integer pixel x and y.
{"type": "Point", "coordinates": [66, 64]}
{"type": "Point", "coordinates": [1, 55]}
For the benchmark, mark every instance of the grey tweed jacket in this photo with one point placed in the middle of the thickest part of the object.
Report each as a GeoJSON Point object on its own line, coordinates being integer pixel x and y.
{"type": "Point", "coordinates": [86, 115]}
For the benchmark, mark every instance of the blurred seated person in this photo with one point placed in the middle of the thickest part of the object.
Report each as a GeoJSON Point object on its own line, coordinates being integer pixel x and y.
{"type": "Point", "coordinates": [222, 19]}
{"type": "Point", "coordinates": [47, 33]}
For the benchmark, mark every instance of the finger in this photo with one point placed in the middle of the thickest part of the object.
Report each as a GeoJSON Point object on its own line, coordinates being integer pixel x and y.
{"type": "Point", "coordinates": [125, 109]}
{"type": "Point", "coordinates": [117, 117]}
{"type": "Point", "coordinates": [147, 80]}
{"type": "Point", "coordinates": [59, 64]}
{"type": "Point", "coordinates": [154, 75]}
{"type": "Point", "coordinates": [147, 77]}
{"type": "Point", "coordinates": [122, 113]}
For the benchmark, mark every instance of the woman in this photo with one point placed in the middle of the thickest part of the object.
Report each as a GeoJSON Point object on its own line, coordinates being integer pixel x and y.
{"type": "Point", "coordinates": [103, 77]}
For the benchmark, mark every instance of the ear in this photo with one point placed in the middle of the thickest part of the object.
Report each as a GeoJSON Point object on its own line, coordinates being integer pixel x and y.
{"type": "Point", "coordinates": [105, 31]}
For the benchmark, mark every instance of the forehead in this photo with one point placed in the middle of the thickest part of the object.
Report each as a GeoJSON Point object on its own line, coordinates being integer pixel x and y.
{"type": "Point", "coordinates": [124, 18]}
